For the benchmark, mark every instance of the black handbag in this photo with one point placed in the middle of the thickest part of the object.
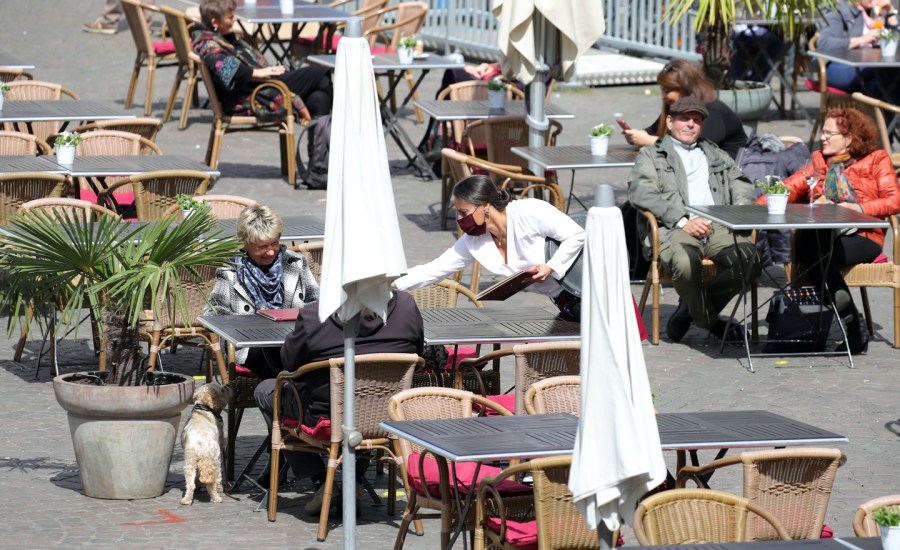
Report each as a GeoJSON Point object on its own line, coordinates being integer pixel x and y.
{"type": "Point", "coordinates": [798, 322]}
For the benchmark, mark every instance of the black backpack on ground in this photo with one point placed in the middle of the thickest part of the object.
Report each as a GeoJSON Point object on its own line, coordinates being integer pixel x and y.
{"type": "Point", "coordinates": [314, 172]}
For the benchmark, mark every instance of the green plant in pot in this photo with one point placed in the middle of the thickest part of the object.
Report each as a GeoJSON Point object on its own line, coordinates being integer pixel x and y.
{"type": "Point", "coordinates": [888, 520]}
{"type": "Point", "coordinates": [714, 21]}
{"type": "Point", "coordinates": [64, 146]}
{"type": "Point", "coordinates": [3, 89]}
{"type": "Point", "coordinates": [888, 42]}
{"type": "Point", "coordinates": [497, 93]}
{"type": "Point", "coordinates": [189, 205]}
{"type": "Point", "coordinates": [776, 194]}
{"type": "Point", "coordinates": [599, 138]}
{"type": "Point", "coordinates": [406, 48]}
{"type": "Point", "coordinates": [123, 420]}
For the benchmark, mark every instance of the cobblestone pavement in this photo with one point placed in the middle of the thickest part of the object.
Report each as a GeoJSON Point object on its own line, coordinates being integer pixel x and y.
{"type": "Point", "coordinates": [40, 492]}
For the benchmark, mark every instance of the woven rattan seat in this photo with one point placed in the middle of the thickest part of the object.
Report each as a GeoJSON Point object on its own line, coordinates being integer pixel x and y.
{"type": "Point", "coordinates": [560, 394]}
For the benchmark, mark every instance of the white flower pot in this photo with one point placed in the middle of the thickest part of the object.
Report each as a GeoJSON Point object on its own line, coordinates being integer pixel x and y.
{"type": "Point", "coordinates": [65, 154]}
{"type": "Point", "coordinates": [249, 2]}
{"type": "Point", "coordinates": [1, 100]}
{"type": "Point", "coordinates": [777, 204]}
{"type": "Point", "coordinates": [405, 55]}
{"type": "Point", "coordinates": [287, 6]}
{"type": "Point", "coordinates": [599, 145]}
{"type": "Point", "coordinates": [888, 48]}
{"type": "Point", "coordinates": [890, 537]}
{"type": "Point", "coordinates": [496, 99]}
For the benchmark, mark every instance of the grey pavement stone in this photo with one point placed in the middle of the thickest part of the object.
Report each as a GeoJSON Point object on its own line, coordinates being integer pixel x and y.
{"type": "Point", "coordinates": [40, 492]}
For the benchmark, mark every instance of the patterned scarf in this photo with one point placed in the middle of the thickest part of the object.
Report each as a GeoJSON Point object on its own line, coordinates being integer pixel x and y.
{"type": "Point", "coordinates": [837, 186]}
{"type": "Point", "coordinates": [265, 287]}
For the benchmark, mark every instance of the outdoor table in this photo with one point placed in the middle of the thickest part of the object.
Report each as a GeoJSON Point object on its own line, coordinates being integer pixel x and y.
{"type": "Point", "coordinates": [797, 216]}
{"type": "Point", "coordinates": [500, 325]}
{"type": "Point", "coordinates": [111, 165]}
{"type": "Point", "coordinates": [12, 62]}
{"type": "Point", "coordinates": [843, 543]}
{"type": "Point", "coordinates": [446, 110]}
{"type": "Point", "coordinates": [65, 111]}
{"type": "Point", "coordinates": [390, 63]}
{"type": "Point", "coordinates": [481, 439]}
{"type": "Point", "coordinates": [576, 157]}
{"type": "Point", "coordinates": [29, 163]}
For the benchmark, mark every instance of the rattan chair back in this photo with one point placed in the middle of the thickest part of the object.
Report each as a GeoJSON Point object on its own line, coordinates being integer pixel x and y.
{"type": "Point", "coordinates": [109, 143]}
{"type": "Point", "coordinates": [14, 143]}
{"type": "Point", "coordinates": [560, 524]}
{"type": "Point", "coordinates": [8, 74]}
{"type": "Point", "coordinates": [698, 516]}
{"type": "Point", "coordinates": [863, 523]}
{"type": "Point", "coordinates": [535, 362]}
{"type": "Point", "coordinates": [71, 209]}
{"type": "Point", "coordinates": [560, 394]}
{"type": "Point", "coordinates": [154, 192]}
{"type": "Point", "coordinates": [443, 294]}
{"type": "Point", "coordinates": [178, 23]}
{"type": "Point", "coordinates": [500, 135]}
{"type": "Point", "coordinates": [314, 252]}
{"type": "Point", "coordinates": [36, 90]}
{"type": "Point", "coordinates": [18, 188]}
{"type": "Point", "coordinates": [145, 127]}
{"type": "Point", "coordinates": [470, 90]}
{"type": "Point", "coordinates": [407, 19]}
{"type": "Point", "coordinates": [221, 207]}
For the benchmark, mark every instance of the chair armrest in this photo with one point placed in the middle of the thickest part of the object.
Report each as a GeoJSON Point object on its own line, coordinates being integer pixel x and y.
{"type": "Point", "coordinates": [105, 193]}
{"type": "Point", "coordinates": [488, 485]}
{"type": "Point", "coordinates": [654, 231]}
{"type": "Point", "coordinates": [475, 365]}
{"type": "Point", "coordinates": [698, 473]}
{"type": "Point", "coordinates": [282, 89]}
{"type": "Point", "coordinates": [488, 404]}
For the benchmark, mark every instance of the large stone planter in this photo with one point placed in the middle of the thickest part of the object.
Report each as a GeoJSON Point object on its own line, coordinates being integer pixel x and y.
{"type": "Point", "coordinates": [123, 436]}
{"type": "Point", "coordinates": [749, 100]}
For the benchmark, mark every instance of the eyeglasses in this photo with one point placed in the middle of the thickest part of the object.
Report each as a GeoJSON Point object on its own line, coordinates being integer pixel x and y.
{"type": "Point", "coordinates": [670, 66]}
{"type": "Point", "coordinates": [827, 135]}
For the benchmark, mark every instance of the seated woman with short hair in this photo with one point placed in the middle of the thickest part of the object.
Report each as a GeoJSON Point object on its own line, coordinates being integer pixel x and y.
{"type": "Point", "coordinates": [265, 276]}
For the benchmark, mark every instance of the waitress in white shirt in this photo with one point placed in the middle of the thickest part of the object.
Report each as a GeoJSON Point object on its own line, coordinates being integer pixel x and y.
{"type": "Point", "coordinates": [506, 237]}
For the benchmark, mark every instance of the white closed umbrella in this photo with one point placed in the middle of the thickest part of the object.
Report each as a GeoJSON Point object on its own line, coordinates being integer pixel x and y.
{"type": "Point", "coordinates": [538, 37]}
{"type": "Point", "coordinates": [617, 456]}
{"type": "Point", "coordinates": [363, 249]}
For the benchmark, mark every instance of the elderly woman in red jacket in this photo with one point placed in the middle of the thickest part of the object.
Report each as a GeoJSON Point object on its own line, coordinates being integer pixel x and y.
{"type": "Point", "coordinates": [851, 172]}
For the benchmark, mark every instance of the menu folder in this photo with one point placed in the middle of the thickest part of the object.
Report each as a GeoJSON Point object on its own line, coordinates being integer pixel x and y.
{"type": "Point", "coordinates": [507, 287]}
{"type": "Point", "coordinates": [279, 314]}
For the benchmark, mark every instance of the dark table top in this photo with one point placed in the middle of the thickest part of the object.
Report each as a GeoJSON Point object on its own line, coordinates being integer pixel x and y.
{"type": "Point", "coordinates": [844, 543]}
{"type": "Point", "coordinates": [102, 166]}
{"type": "Point", "coordinates": [390, 62]}
{"type": "Point", "coordinates": [574, 157]}
{"type": "Point", "coordinates": [862, 57]}
{"type": "Point", "coordinates": [496, 325]}
{"type": "Point", "coordinates": [29, 163]}
{"type": "Point", "coordinates": [473, 110]}
{"type": "Point", "coordinates": [529, 436]}
{"type": "Point", "coordinates": [797, 216]}
{"type": "Point", "coordinates": [62, 110]}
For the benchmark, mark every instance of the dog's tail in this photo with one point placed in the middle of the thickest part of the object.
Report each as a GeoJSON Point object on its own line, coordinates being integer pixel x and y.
{"type": "Point", "coordinates": [206, 467]}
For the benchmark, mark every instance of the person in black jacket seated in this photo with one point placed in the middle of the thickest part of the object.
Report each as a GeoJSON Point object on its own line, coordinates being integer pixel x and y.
{"type": "Point", "coordinates": [680, 78]}
{"type": "Point", "coordinates": [312, 341]}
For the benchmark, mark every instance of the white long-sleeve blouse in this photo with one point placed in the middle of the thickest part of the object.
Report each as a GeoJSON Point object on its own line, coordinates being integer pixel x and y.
{"type": "Point", "coordinates": [529, 222]}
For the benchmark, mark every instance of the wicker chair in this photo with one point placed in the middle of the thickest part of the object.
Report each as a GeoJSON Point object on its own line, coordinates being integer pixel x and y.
{"type": "Point", "coordinates": [863, 524]}
{"type": "Point", "coordinates": [500, 135]}
{"type": "Point", "coordinates": [150, 54]}
{"type": "Point", "coordinates": [226, 124]}
{"type": "Point", "coordinates": [378, 377]}
{"type": "Point", "coordinates": [154, 192]}
{"type": "Point", "coordinates": [110, 143]}
{"type": "Point", "coordinates": [326, 38]}
{"type": "Point", "coordinates": [145, 127]}
{"type": "Point", "coordinates": [876, 109]}
{"type": "Point", "coordinates": [539, 361]}
{"type": "Point", "coordinates": [313, 253]}
{"type": "Point", "coordinates": [883, 275]}
{"type": "Point", "coordinates": [8, 74]}
{"type": "Point", "coordinates": [17, 188]}
{"type": "Point", "coordinates": [22, 144]}
{"type": "Point", "coordinates": [557, 523]}
{"type": "Point", "coordinates": [177, 23]}
{"type": "Point", "coordinates": [36, 90]}
{"type": "Point", "coordinates": [469, 90]}
{"type": "Point", "coordinates": [560, 394]}
{"type": "Point", "coordinates": [432, 404]}
{"type": "Point", "coordinates": [657, 276]}
{"type": "Point", "coordinates": [457, 166]}
{"type": "Point", "coordinates": [829, 98]}
{"type": "Point", "coordinates": [72, 209]}
{"type": "Point", "coordinates": [221, 207]}
{"type": "Point", "coordinates": [405, 19]}
{"type": "Point", "coordinates": [793, 484]}
{"type": "Point", "coordinates": [699, 516]}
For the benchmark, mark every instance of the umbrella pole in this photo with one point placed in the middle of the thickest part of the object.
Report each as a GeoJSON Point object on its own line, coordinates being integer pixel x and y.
{"type": "Point", "coordinates": [352, 438]}
{"type": "Point", "coordinates": [536, 118]}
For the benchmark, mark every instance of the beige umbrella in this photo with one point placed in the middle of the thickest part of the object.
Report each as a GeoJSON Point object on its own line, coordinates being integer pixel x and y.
{"type": "Point", "coordinates": [538, 37]}
{"type": "Point", "coordinates": [617, 456]}
{"type": "Point", "coordinates": [363, 250]}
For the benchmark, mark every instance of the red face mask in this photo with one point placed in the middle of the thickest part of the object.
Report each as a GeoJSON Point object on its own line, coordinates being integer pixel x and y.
{"type": "Point", "coordinates": [468, 225]}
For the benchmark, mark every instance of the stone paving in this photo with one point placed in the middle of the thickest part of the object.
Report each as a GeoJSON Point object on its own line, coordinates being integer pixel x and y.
{"type": "Point", "coordinates": [40, 492]}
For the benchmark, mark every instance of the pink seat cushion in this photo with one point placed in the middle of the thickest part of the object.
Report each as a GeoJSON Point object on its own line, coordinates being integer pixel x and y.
{"type": "Point", "coordinates": [241, 370]}
{"type": "Point", "coordinates": [827, 532]}
{"type": "Point", "coordinates": [465, 472]}
{"type": "Point", "coordinates": [506, 400]}
{"type": "Point", "coordinates": [382, 49]}
{"type": "Point", "coordinates": [124, 199]}
{"type": "Point", "coordinates": [813, 86]}
{"type": "Point", "coordinates": [461, 353]}
{"type": "Point", "coordinates": [880, 259]}
{"type": "Point", "coordinates": [322, 429]}
{"type": "Point", "coordinates": [288, 422]}
{"type": "Point", "coordinates": [518, 534]}
{"type": "Point", "coordinates": [164, 47]}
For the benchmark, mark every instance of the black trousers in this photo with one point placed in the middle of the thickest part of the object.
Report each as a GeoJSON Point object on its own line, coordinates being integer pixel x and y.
{"type": "Point", "coordinates": [848, 250]}
{"type": "Point", "coordinates": [314, 87]}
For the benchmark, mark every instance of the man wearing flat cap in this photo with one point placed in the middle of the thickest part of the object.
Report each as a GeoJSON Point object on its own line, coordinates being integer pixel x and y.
{"type": "Point", "coordinates": [681, 170]}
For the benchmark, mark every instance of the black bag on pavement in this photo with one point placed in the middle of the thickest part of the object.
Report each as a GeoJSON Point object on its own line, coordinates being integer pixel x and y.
{"type": "Point", "coordinates": [314, 172]}
{"type": "Point", "coordinates": [794, 322]}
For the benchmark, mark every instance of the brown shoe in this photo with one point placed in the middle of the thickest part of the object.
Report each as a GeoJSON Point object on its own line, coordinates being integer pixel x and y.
{"type": "Point", "coordinates": [100, 28]}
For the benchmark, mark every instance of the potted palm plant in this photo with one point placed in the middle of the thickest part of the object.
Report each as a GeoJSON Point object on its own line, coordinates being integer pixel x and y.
{"type": "Point", "coordinates": [888, 520]}
{"type": "Point", "coordinates": [714, 21]}
{"type": "Point", "coordinates": [124, 419]}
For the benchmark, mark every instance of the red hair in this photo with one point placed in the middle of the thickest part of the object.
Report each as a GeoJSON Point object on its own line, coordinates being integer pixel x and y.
{"type": "Point", "coordinates": [859, 127]}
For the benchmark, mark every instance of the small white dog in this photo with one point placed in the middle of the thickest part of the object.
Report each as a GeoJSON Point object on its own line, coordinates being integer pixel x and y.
{"type": "Point", "coordinates": [203, 441]}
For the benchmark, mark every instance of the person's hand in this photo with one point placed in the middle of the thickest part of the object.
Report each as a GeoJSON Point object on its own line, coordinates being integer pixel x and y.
{"type": "Point", "coordinates": [304, 114]}
{"type": "Point", "coordinates": [882, 5]}
{"type": "Point", "coordinates": [851, 206]}
{"type": "Point", "coordinates": [865, 40]}
{"type": "Point", "coordinates": [638, 137]}
{"type": "Point", "coordinates": [541, 272]}
{"type": "Point", "coordinates": [822, 200]}
{"type": "Point", "coordinates": [698, 228]}
{"type": "Point", "coordinates": [268, 72]}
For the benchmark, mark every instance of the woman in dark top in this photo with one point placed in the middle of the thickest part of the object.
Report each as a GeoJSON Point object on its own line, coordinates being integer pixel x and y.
{"type": "Point", "coordinates": [681, 78]}
{"type": "Point", "coordinates": [238, 68]}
